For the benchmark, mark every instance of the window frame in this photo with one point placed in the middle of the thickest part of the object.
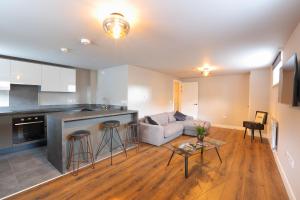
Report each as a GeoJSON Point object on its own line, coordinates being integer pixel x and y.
{"type": "Point", "coordinates": [277, 64]}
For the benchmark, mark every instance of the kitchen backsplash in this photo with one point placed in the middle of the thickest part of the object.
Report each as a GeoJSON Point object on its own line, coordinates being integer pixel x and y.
{"type": "Point", "coordinates": [22, 96]}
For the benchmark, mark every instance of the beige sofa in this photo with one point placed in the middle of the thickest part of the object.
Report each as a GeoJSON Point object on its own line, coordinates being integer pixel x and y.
{"type": "Point", "coordinates": [168, 128]}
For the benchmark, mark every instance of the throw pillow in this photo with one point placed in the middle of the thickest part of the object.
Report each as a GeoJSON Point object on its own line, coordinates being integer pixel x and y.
{"type": "Point", "coordinates": [149, 120]}
{"type": "Point", "coordinates": [179, 116]}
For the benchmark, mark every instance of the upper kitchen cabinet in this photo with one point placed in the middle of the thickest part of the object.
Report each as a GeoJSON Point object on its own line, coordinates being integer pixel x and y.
{"type": "Point", "coordinates": [58, 79]}
{"type": "Point", "coordinates": [25, 73]}
{"type": "Point", "coordinates": [4, 74]}
{"type": "Point", "coordinates": [68, 79]}
{"type": "Point", "coordinates": [51, 79]}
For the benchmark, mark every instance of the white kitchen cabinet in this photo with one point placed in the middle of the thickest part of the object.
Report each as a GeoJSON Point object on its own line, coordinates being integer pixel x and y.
{"type": "Point", "coordinates": [51, 79]}
{"type": "Point", "coordinates": [25, 73]}
{"type": "Point", "coordinates": [58, 79]}
{"type": "Point", "coordinates": [68, 79]}
{"type": "Point", "coordinates": [4, 74]}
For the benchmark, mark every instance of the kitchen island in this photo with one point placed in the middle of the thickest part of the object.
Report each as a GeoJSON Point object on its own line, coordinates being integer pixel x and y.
{"type": "Point", "coordinates": [61, 124]}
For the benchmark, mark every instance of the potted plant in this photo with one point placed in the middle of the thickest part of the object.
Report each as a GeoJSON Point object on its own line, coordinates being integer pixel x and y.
{"type": "Point", "coordinates": [200, 133]}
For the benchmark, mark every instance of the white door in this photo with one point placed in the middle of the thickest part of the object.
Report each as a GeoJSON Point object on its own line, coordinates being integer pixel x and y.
{"type": "Point", "coordinates": [190, 99]}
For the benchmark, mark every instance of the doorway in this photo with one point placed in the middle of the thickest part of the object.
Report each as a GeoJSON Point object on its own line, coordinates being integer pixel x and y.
{"type": "Point", "coordinates": [189, 102]}
{"type": "Point", "coordinates": [177, 95]}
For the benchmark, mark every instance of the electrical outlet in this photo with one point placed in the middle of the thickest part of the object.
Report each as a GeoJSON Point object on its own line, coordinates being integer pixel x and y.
{"type": "Point", "coordinates": [290, 159]}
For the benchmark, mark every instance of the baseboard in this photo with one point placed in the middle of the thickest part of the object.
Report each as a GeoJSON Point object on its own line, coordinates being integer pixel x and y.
{"type": "Point", "coordinates": [286, 182]}
{"type": "Point", "coordinates": [228, 126]}
{"type": "Point", "coordinates": [264, 135]}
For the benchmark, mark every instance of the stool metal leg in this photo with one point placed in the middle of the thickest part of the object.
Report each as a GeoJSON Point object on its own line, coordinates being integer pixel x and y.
{"type": "Point", "coordinates": [82, 150]}
{"type": "Point", "coordinates": [127, 136]}
{"type": "Point", "coordinates": [90, 150]}
{"type": "Point", "coordinates": [100, 147]}
{"type": "Point", "coordinates": [111, 139]}
{"type": "Point", "coordinates": [121, 142]}
{"type": "Point", "coordinates": [71, 152]}
{"type": "Point", "coordinates": [137, 138]}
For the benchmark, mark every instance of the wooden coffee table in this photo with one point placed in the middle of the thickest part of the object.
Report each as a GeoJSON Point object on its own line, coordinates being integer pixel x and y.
{"type": "Point", "coordinates": [191, 147]}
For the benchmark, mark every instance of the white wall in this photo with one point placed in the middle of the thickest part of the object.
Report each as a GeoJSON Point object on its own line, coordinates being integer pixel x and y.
{"type": "Point", "coordinates": [289, 123]}
{"type": "Point", "coordinates": [259, 93]}
{"type": "Point", "coordinates": [224, 100]}
{"type": "Point", "coordinates": [149, 92]}
{"type": "Point", "coordinates": [113, 85]}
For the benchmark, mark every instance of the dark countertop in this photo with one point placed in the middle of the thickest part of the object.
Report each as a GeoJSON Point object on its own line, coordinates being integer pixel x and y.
{"type": "Point", "coordinates": [49, 109]}
{"type": "Point", "coordinates": [74, 116]}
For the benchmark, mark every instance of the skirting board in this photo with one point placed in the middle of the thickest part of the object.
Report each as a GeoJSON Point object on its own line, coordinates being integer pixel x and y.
{"type": "Point", "coordinates": [228, 126]}
{"type": "Point", "coordinates": [237, 128]}
{"type": "Point", "coordinates": [286, 182]}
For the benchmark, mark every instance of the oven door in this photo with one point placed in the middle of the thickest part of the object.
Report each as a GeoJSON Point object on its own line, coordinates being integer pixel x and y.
{"type": "Point", "coordinates": [28, 129]}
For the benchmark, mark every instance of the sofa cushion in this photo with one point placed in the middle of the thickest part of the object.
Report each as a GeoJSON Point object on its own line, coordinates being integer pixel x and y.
{"type": "Point", "coordinates": [149, 120]}
{"type": "Point", "coordinates": [161, 119]}
{"type": "Point", "coordinates": [171, 117]}
{"type": "Point", "coordinates": [172, 129]}
{"type": "Point", "coordinates": [179, 116]}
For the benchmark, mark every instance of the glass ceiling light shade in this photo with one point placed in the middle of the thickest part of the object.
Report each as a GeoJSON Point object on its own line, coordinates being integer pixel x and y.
{"type": "Point", "coordinates": [206, 70]}
{"type": "Point", "coordinates": [116, 26]}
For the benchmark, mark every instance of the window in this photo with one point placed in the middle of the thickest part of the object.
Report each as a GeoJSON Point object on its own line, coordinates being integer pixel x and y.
{"type": "Point", "coordinates": [277, 64]}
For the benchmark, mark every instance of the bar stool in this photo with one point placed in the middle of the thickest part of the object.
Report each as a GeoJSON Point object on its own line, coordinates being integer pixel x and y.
{"type": "Point", "coordinates": [81, 136]}
{"type": "Point", "coordinates": [132, 135]}
{"type": "Point", "coordinates": [110, 129]}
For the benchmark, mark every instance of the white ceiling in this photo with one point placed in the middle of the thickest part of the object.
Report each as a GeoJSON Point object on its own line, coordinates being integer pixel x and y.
{"type": "Point", "coordinates": [172, 36]}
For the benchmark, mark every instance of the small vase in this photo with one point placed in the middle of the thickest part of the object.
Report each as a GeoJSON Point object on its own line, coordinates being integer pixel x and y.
{"type": "Point", "coordinates": [200, 138]}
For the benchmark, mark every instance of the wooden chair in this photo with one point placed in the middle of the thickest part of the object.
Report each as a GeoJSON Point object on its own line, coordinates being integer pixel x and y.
{"type": "Point", "coordinates": [258, 124]}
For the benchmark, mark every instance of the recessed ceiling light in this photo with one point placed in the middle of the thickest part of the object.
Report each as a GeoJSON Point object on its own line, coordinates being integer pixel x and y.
{"type": "Point", "coordinates": [64, 50]}
{"type": "Point", "coordinates": [85, 41]}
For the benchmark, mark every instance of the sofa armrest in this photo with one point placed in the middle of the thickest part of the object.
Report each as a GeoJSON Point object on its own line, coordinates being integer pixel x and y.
{"type": "Point", "coordinates": [152, 134]}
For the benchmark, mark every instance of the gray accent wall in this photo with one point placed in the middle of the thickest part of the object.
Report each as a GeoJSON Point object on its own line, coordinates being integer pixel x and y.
{"type": "Point", "coordinates": [22, 96]}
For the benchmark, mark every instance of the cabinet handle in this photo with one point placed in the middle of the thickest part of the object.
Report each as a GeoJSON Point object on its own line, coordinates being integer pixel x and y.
{"type": "Point", "coordinates": [26, 123]}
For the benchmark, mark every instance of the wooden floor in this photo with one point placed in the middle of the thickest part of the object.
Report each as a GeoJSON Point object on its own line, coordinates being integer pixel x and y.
{"type": "Point", "coordinates": [248, 171]}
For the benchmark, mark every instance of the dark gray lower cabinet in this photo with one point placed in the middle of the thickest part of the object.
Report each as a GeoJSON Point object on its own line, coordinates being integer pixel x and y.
{"type": "Point", "coordinates": [5, 131]}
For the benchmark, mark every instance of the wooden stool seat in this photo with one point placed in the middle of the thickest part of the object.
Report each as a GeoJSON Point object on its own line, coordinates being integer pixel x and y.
{"type": "Point", "coordinates": [80, 134]}
{"type": "Point", "coordinates": [111, 124]}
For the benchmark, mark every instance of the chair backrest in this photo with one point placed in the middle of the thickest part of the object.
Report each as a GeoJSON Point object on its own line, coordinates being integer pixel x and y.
{"type": "Point", "coordinates": [261, 117]}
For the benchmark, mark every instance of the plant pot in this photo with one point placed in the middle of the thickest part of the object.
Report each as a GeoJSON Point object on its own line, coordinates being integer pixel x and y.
{"type": "Point", "coordinates": [200, 138]}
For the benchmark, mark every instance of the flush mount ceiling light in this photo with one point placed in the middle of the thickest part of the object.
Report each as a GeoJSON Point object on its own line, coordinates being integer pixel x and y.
{"type": "Point", "coordinates": [116, 26]}
{"type": "Point", "coordinates": [64, 50]}
{"type": "Point", "coordinates": [205, 71]}
{"type": "Point", "coordinates": [85, 41]}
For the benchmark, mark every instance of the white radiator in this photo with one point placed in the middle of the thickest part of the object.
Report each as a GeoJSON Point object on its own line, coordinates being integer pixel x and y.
{"type": "Point", "coordinates": [274, 134]}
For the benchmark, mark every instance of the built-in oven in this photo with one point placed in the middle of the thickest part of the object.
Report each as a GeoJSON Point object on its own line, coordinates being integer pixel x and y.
{"type": "Point", "coordinates": [28, 129]}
